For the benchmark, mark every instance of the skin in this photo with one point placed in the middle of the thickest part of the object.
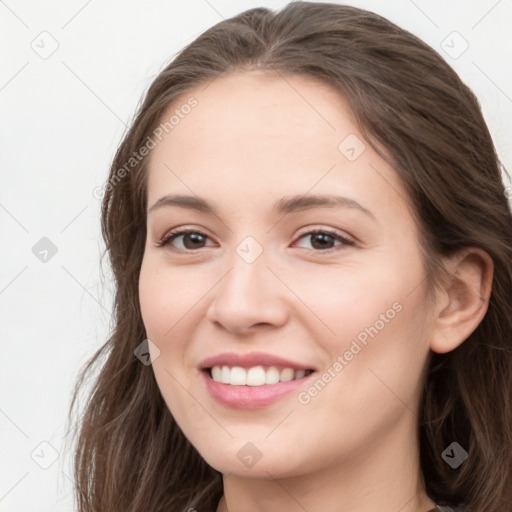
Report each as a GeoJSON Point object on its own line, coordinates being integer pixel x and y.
{"type": "Point", "coordinates": [253, 139]}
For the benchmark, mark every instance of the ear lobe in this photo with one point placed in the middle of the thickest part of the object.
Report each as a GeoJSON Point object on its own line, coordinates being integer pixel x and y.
{"type": "Point", "coordinates": [463, 302]}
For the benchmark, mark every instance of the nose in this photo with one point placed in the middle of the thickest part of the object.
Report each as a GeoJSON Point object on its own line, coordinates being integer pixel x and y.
{"type": "Point", "coordinates": [249, 298]}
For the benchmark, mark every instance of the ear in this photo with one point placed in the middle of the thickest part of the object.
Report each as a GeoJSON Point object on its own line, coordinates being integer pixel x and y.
{"type": "Point", "coordinates": [463, 300]}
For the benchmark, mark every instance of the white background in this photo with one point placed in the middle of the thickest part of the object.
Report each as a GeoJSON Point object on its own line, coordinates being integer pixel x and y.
{"type": "Point", "coordinates": [62, 118]}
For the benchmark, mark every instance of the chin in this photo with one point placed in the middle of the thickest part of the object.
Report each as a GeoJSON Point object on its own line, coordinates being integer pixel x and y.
{"type": "Point", "coordinates": [254, 460]}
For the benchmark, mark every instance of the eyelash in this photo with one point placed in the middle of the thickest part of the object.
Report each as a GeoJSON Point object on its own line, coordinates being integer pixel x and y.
{"type": "Point", "coordinates": [169, 237]}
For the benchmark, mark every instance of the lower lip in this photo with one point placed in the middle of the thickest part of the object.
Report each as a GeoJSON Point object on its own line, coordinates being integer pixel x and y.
{"type": "Point", "coordinates": [251, 397]}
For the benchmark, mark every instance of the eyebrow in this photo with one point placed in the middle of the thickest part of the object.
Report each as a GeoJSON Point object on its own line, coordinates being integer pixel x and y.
{"type": "Point", "coordinates": [285, 205]}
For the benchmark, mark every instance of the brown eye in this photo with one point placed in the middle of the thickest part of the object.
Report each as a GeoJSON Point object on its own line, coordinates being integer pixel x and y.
{"type": "Point", "coordinates": [324, 239]}
{"type": "Point", "coordinates": [193, 240]}
{"type": "Point", "coordinates": [190, 239]}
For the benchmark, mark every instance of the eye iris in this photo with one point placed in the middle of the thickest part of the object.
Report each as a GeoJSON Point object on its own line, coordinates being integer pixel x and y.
{"type": "Point", "coordinates": [325, 240]}
{"type": "Point", "coordinates": [195, 238]}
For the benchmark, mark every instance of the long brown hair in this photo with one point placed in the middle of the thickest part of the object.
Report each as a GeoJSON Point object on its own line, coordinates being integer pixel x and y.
{"type": "Point", "coordinates": [417, 114]}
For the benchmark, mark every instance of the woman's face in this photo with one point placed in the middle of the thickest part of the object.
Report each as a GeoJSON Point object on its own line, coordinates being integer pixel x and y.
{"type": "Point", "coordinates": [254, 294]}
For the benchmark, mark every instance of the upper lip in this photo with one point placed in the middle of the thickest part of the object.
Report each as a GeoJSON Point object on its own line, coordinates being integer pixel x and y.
{"type": "Point", "coordinates": [249, 360]}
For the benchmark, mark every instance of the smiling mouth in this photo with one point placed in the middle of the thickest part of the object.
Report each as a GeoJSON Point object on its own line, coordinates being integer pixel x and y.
{"type": "Point", "coordinates": [254, 376]}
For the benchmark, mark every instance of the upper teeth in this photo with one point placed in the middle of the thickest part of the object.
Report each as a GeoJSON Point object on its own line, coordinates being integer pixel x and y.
{"type": "Point", "coordinates": [255, 376]}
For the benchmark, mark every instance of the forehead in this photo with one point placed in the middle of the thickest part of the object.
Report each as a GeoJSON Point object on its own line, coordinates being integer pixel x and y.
{"type": "Point", "coordinates": [257, 107]}
{"type": "Point", "coordinates": [268, 134]}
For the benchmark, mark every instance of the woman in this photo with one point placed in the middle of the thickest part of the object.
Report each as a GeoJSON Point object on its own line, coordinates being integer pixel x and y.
{"type": "Point", "coordinates": [311, 243]}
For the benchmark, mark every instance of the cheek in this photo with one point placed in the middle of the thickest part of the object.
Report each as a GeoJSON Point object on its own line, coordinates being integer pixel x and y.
{"type": "Point", "coordinates": [378, 360]}
{"type": "Point", "coordinates": [374, 319]}
{"type": "Point", "coordinates": [155, 304]}
{"type": "Point", "coordinates": [167, 296]}
{"type": "Point", "coordinates": [344, 300]}
{"type": "Point", "coordinates": [166, 301]}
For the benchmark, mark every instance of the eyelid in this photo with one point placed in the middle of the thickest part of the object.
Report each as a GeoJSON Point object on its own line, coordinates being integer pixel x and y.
{"type": "Point", "coordinates": [346, 240]}
{"type": "Point", "coordinates": [177, 232]}
{"type": "Point", "coordinates": [331, 231]}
